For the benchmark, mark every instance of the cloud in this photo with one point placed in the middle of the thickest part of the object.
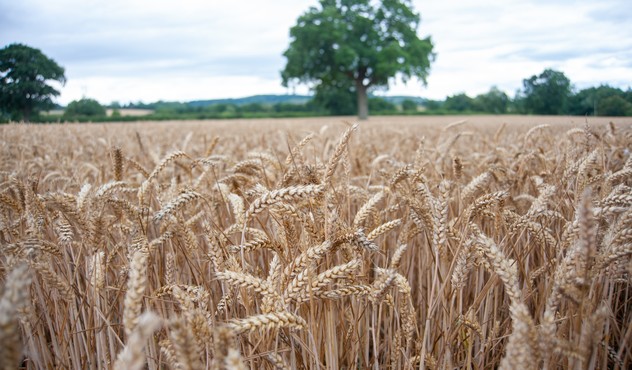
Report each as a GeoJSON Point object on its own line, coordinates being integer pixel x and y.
{"type": "Point", "coordinates": [196, 49]}
{"type": "Point", "coordinates": [502, 42]}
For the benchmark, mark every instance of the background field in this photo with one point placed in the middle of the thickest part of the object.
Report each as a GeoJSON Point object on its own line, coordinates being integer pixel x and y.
{"type": "Point", "coordinates": [472, 242]}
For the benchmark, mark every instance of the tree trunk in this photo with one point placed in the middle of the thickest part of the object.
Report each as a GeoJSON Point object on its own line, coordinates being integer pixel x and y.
{"type": "Point", "coordinates": [363, 101]}
{"type": "Point", "coordinates": [26, 115]}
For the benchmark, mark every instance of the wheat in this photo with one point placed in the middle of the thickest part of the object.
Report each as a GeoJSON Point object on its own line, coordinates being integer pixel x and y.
{"type": "Point", "coordinates": [533, 131]}
{"type": "Point", "coordinates": [53, 280]}
{"type": "Point", "coordinates": [504, 267]}
{"type": "Point", "coordinates": [117, 164]}
{"type": "Point", "coordinates": [475, 186]}
{"type": "Point", "coordinates": [305, 259]}
{"type": "Point", "coordinates": [186, 349]}
{"type": "Point", "coordinates": [136, 284]}
{"type": "Point", "coordinates": [132, 356]}
{"type": "Point", "coordinates": [289, 194]}
{"type": "Point", "coordinates": [520, 354]}
{"type": "Point", "coordinates": [14, 297]}
{"type": "Point", "coordinates": [366, 209]}
{"type": "Point", "coordinates": [265, 322]}
{"type": "Point", "coordinates": [337, 155]}
{"type": "Point", "coordinates": [248, 281]}
{"type": "Point", "coordinates": [507, 246]}
{"type": "Point", "coordinates": [173, 206]}
{"type": "Point", "coordinates": [323, 280]}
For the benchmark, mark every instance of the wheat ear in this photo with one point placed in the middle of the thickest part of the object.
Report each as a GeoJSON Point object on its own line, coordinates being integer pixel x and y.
{"type": "Point", "coordinates": [338, 153]}
{"type": "Point", "coordinates": [187, 351]}
{"type": "Point", "coordinates": [324, 279]}
{"type": "Point", "coordinates": [136, 283]}
{"type": "Point", "coordinates": [292, 193]}
{"type": "Point", "coordinates": [248, 281]}
{"type": "Point", "coordinates": [15, 297]}
{"type": "Point", "coordinates": [366, 209]}
{"type": "Point", "coordinates": [504, 267]}
{"type": "Point", "coordinates": [384, 228]}
{"type": "Point", "coordinates": [180, 201]}
{"type": "Point", "coordinates": [142, 190]}
{"type": "Point", "coordinates": [520, 353]}
{"type": "Point", "coordinates": [117, 163]}
{"type": "Point", "coordinates": [270, 321]}
{"type": "Point", "coordinates": [132, 356]}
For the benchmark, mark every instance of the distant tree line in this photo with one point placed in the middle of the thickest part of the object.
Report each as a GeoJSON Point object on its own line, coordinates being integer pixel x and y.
{"type": "Point", "coordinates": [550, 93]}
{"type": "Point", "coordinates": [85, 110]}
{"type": "Point", "coordinates": [25, 91]}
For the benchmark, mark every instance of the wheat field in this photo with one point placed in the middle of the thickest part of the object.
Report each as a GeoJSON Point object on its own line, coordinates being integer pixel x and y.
{"type": "Point", "coordinates": [398, 243]}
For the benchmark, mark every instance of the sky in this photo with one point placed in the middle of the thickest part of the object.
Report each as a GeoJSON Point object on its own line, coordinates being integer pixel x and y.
{"type": "Point", "coordinates": [150, 50]}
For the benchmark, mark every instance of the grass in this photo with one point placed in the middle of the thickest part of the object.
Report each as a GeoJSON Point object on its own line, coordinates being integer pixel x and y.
{"type": "Point", "coordinates": [402, 243]}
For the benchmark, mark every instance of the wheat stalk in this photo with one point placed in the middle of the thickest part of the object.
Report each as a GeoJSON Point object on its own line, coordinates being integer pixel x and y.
{"type": "Point", "coordinates": [14, 298]}
{"type": "Point", "coordinates": [136, 284]}
{"type": "Point", "coordinates": [132, 356]}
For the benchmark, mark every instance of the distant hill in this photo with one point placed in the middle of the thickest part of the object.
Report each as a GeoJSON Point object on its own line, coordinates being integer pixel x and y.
{"type": "Point", "coordinates": [399, 99]}
{"type": "Point", "coordinates": [258, 99]}
{"type": "Point", "coordinates": [288, 99]}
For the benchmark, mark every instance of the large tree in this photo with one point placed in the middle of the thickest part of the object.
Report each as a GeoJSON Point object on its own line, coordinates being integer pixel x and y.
{"type": "Point", "coordinates": [361, 43]}
{"type": "Point", "coordinates": [24, 76]}
{"type": "Point", "coordinates": [84, 109]}
{"type": "Point", "coordinates": [495, 101]}
{"type": "Point", "coordinates": [547, 93]}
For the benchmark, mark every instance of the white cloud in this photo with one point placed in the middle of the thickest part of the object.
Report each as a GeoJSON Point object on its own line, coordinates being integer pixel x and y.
{"type": "Point", "coordinates": [169, 88]}
{"type": "Point", "coordinates": [196, 49]}
{"type": "Point", "coordinates": [481, 43]}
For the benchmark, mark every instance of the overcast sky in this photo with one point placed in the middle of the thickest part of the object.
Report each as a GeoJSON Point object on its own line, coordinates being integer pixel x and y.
{"type": "Point", "coordinates": [142, 50]}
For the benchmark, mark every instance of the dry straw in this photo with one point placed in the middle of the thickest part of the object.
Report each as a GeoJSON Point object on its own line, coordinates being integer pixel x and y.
{"type": "Point", "coordinates": [14, 298]}
{"type": "Point", "coordinates": [507, 246]}
{"type": "Point", "coordinates": [136, 285]}
{"type": "Point", "coordinates": [132, 356]}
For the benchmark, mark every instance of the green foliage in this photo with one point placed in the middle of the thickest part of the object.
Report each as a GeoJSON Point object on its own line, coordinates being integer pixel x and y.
{"type": "Point", "coordinates": [409, 106]}
{"type": "Point", "coordinates": [356, 44]}
{"type": "Point", "coordinates": [84, 109]}
{"type": "Point", "coordinates": [433, 105]}
{"type": "Point", "coordinates": [603, 100]}
{"type": "Point", "coordinates": [547, 93]}
{"type": "Point", "coordinates": [24, 72]}
{"type": "Point", "coordinates": [494, 101]}
{"type": "Point", "coordinates": [337, 98]}
{"type": "Point", "coordinates": [340, 100]}
{"type": "Point", "coordinates": [615, 105]}
{"type": "Point", "coordinates": [380, 105]}
{"type": "Point", "coordinates": [458, 103]}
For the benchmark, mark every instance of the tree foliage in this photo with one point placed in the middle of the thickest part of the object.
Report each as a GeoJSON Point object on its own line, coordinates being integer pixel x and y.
{"type": "Point", "coordinates": [356, 44]}
{"type": "Point", "coordinates": [602, 100]}
{"type": "Point", "coordinates": [458, 103]}
{"type": "Point", "coordinates": [547, 93]}
{"type": "Point", "coordinates": [495, 101]}
{"type": "Point", "coordinates": [409, 105]}
{"type": "Point", "coordinates": [24, 76]}
{"type": "Point", "coordinates": [337, 98]}
{"type": "Point", "coordinates": [84, 109]}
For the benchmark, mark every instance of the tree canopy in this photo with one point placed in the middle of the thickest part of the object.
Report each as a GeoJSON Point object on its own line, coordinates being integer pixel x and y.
{"type": "Point", "coordinates": [24, 72]}
{"type": "Point", "coordinates": [357, 44]}
{"type": "Point", "coordinates": [547, 93]}
{"type": "Point", "coordinates": [84, 109]}
{"type": "Point", "coordinates": [602, 100]}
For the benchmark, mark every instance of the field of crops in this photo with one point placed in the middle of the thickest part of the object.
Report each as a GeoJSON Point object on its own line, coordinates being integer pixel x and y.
{"type": "Point", "coordinates": [399, 243]}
